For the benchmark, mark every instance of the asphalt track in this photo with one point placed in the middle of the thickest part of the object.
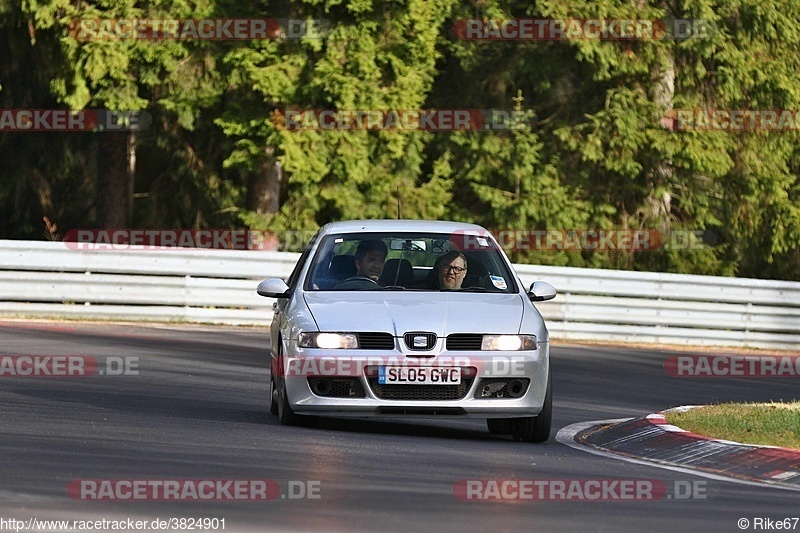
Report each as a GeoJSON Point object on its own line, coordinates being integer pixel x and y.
{"type": "Point", "coordinates": [197, 409]}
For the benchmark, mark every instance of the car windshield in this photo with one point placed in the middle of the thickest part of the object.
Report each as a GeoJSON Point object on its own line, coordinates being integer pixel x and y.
{"type": "Point", "coordinates": [409, 261]}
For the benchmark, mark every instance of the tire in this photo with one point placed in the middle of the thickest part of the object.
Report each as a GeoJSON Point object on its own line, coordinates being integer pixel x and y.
{"type": "Point", "coordinates": [273, 392]}
{"type": "Point", "coordinates": [499, 426]}
{"type": "Point", "coordinates": [536, 428]}
{"type": "Point", "coordinates": [274, 371]}
{"type": "Point", "coordinates": [285, 414]}
{"type": "Point", "coordinates": [280, 400]}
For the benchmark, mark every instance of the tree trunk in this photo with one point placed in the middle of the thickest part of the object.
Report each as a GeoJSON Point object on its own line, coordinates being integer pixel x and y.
{"type": "Point", "coordinates": [265, 198]}
{"type": "Point", "coordinates": [116, 167]}
{"type": "Point", "coordinates": [664, 92]}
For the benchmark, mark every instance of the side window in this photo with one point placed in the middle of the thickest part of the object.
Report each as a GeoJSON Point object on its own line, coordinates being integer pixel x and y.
{"type": "Point", "coordinates": [293, 277]}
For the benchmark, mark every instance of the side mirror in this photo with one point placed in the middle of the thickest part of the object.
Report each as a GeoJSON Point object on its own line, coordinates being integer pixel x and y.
{"type": "Point", "coordinates": [273, 288]}
{"type": "Point", "coordinates": [541, 291]}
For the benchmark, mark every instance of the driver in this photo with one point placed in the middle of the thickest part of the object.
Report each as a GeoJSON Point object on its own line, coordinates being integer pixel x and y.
{"type": "Point", "coordinates": [451, 270]}
{"type": "Point", "coordinates": [370, 257]}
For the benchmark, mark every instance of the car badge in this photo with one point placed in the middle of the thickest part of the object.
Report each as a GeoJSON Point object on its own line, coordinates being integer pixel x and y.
{"type": "Point", "coordinates": [420, 341]}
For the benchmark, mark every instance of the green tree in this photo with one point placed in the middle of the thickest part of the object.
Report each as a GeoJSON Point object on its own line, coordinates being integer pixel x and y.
{"type": "Point", "coordinates": [172, 80]}
{"type": "Point", "coordinates": [374, 57]}
{"type": "Point", "coordinates": [42, 175]}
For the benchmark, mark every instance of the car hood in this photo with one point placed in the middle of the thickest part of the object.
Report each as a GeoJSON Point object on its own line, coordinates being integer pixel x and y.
{"type": "Point", "coordinates": [395, 312]}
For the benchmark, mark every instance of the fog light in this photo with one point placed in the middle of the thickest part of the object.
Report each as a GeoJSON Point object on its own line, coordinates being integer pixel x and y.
{"type": "Point", "coordinates": [491, 389]}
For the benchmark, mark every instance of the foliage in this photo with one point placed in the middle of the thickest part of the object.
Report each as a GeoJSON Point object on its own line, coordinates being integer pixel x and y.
{"type": "Point", "coordinates": [589, 145]}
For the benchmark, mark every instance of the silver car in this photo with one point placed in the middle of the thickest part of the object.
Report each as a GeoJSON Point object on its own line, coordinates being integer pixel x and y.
{"type": "Point", "coordinates": [410, 318]}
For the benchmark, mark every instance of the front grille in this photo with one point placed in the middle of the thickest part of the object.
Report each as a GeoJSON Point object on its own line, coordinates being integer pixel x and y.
{"type": "Point", "coordinates": [422, 392]}
{"type": "Point", "coordinates": [413, 337]}
{"type": "Point", "coordinates": [498, 388]}
{"type": "Point", "coordinates": [464, 341]}
{"type": "Point", "coordinates": [337, 387]}
{"type": "Point", "coordinates": [375, 341]}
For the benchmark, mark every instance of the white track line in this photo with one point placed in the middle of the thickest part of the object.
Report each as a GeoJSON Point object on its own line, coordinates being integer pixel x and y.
{"type": "Point", "coordinates": [566, 436]}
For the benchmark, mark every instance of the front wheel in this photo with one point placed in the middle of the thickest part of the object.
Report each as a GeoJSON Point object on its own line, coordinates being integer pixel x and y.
{"type": "Point", "coordinates": [273, 396]}
{"type": "Point", "coordinates": [274, 371]}
{"type": "Point", "coordinates": [279, 401]}
{"type": "Point", "coordinates": [285, 413]}
{"type": "Point", "coordinates": [536, 428]}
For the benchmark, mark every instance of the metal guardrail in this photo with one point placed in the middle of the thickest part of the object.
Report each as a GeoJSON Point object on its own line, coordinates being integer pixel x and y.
{"type": "Point", "coordinates": [649, 307]}
{"type": "Point", "coordinates": [48, 279]}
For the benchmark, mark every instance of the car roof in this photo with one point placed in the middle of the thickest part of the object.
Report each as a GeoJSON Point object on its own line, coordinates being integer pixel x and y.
{"type": "Point", "coordinates": [365, 226]}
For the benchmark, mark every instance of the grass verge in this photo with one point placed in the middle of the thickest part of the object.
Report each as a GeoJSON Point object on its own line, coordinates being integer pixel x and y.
{"type": "Point", "coordinates": [772, 424]}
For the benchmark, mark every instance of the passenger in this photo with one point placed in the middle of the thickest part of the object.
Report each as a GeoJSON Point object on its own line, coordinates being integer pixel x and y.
{"type": "Point", "coordinates": [370, 258]}
{"type": "Point", "coordinates": [451, 270]}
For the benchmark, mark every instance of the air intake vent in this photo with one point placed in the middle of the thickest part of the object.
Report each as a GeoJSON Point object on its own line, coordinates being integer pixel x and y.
{"type": "Point", "coordinates": [336, 387]}
{"type": "Point", "coordinates": [510, 388]}
{"type": "Point", "coordinates": [420, 392]}
{"type": "Point", "coordinates": [464, 342]}
{"type": "Point", "coordinates": [375, 341]}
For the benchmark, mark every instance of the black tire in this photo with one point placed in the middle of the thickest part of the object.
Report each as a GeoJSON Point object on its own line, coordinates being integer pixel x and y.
{"type": "Point", "coordinates": [273, 391]}
{"type": "Point", "coordinates": [499, 426]}
{"type": "Point", "coordinates": [274, 371]}
{"type": "Point", "coordinates": [536, 428]}
{"type": "Point", "coordinates": [285, 414]}
{"type": "Point", "coordinates": [280, 400]}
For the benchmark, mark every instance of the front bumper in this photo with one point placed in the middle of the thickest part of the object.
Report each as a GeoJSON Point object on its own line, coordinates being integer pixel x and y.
{"type": "Point", "coordinates": [478, 370]}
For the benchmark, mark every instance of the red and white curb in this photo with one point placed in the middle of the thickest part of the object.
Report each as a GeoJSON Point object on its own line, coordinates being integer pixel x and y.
{"type": "Point", "coordinates": [650, 440]}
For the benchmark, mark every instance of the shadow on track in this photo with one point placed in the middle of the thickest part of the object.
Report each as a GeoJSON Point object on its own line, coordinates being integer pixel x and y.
{"type": "Point", "coordinates": [187, 408]}
{"type": "Point", "coordinates": [415, 428]}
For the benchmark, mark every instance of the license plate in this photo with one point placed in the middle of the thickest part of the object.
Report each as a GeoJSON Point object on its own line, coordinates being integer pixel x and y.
{"type": "Point", "coordinates": [418, 375]}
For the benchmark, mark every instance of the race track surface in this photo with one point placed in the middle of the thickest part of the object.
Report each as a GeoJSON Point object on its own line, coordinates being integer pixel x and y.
{"type": "Point", "coordinates": [197, 410]}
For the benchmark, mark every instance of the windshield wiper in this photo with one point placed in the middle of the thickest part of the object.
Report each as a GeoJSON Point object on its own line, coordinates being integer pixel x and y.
{"type": "Point", "coordinates": [394, 288]}
{"type": "Point", "coordinates": [471, 289]}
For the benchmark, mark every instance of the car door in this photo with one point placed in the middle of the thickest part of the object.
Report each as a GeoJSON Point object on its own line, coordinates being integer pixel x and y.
{"type": "Point", "coordinates": [281, 304]}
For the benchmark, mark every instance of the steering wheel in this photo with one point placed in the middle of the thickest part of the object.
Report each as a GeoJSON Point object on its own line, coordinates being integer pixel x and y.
{"type": "Point", "coordinates": [357, 283]}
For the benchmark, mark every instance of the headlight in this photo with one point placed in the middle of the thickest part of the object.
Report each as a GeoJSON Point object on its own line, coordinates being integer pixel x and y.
{"type": "Point", "coordinates": [327, 340]}
{"type": "Point", "coordinates": [508, 343]}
